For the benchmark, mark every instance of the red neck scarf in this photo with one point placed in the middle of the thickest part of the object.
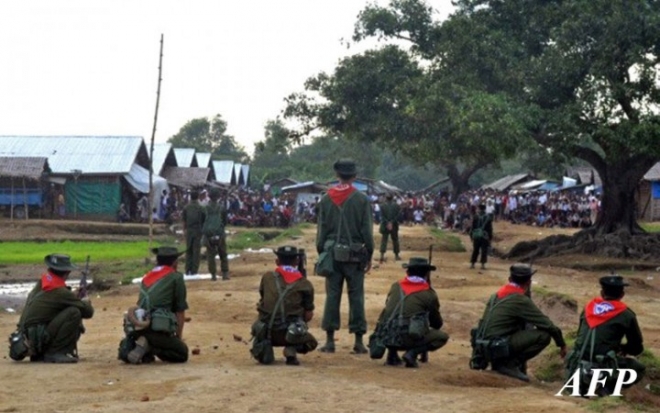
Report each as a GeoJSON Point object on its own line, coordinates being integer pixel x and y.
{"type": "Point", "coordinates": [289, 274]}
{"type": "Point", "coordinates": [156, 274]}
{"type": "Point", "coordinates": [410, 285]}
{"type": "Point", "coordinates": [51, 282]}
{"type": "Point", "coordinates": [510, 288]}
{"type": "Point", "coordinates": [599, 311]}
{"type": "Point", "coordinates": [340, 193]}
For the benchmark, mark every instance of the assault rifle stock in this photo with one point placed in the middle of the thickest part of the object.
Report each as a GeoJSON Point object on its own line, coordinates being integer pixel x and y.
{"type": "Point", "coordinates": [82, 288]}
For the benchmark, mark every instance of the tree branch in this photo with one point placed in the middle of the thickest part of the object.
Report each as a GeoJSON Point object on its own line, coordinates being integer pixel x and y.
{"type": "Point", "coordinates": [593, 158]}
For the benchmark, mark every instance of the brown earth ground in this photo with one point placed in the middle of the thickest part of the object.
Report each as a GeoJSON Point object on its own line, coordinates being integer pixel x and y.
{"type": "Point", "coordinates": [223, 377]}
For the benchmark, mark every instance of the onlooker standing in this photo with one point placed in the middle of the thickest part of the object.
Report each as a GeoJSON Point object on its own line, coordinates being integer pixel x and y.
{"type": "Point", "coordinates": [481, 232]}
{"type": "Point", "coordinates": [193, 220]}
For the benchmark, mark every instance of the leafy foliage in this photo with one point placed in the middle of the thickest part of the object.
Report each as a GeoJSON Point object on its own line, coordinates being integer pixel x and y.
{"type": "Point", "coordinates": [209, 136]}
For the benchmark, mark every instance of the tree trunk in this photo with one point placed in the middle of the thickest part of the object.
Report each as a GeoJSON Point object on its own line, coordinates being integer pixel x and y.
{"type": "Point", "coordinates": [460, 180]}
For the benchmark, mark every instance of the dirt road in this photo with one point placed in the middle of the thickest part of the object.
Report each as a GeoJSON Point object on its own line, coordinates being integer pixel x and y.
{"type": "Point", "coordinates": [223, 377]}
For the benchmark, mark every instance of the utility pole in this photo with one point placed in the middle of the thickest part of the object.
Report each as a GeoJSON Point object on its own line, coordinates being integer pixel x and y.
{"type": "Point", "coordinates": [151, 150]}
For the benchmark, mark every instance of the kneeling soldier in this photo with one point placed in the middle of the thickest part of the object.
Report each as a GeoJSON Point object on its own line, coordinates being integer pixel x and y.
{"type": "Point", "coordinates": [411, 319]}
{"type": "Point", "coordinates": [52, 317]}
{"type": "Point", "coordinates": [285, 306]}
{"type": "Point", "coordinates": [162, 300]}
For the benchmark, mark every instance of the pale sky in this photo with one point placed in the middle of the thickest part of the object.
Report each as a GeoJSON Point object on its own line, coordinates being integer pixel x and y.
{"type": "Point", "coordinates": [90, 67]}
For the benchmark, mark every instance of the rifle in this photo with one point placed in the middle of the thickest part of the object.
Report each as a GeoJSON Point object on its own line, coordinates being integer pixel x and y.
{"type": "Point", "coordinates": [302, 262]}
{"type": "Point", "coordinates": [424, 357]}
{"type": "Point", "coordinates": [82, 288]}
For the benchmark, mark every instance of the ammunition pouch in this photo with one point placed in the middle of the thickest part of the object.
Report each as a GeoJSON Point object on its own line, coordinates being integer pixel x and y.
{"type": "Point", "coordinates": [355, 252]}
{"type": "Point", "coordinates": [494, 349]}
{"type": "Point", "coordinates": [418, 326]}
{"type": "Point", "coordinates": [19, 347]}
{"type": "Point", "coordinates": [478, 360]}
{"type": "Point", "coordinates": [163, 321]}
{"type": "Point", "coordinates": [37, 338]}
{"type": "Point", "coordinates": [376, 345]}
{"type": "Point", "coordinates": [296, 332]}
{"type": "Point", "coordinates": [262, 351]}
{"type": "Point", "coordinates": [586, 367]}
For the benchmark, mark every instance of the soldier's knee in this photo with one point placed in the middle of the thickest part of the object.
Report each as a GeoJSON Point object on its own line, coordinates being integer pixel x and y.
{"type": "Point", "coordinates": [71, 314]}
{"type": "Point", "coordinates": [544, 338]}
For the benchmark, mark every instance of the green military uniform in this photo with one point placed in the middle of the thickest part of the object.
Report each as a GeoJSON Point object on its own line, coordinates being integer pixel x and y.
{"type": "Point", "coordinates": [510, 313]}
{"type": "Point", "coordinates": [358, 219]}
{"type": "Point", "coordinates": [481, 233]}
{"type": "Point", "coordinates": [297, 301]}
{"type": "Point", "coordinates": [611, 321]}
{"type": "Point", "coordinates": [193, 220]}
{"type": "Point", "coordinates": [389, 216]}
{"type": "Point", "coordinates": [163, 288]}
{"type": "Point", "coordinates": [216, 246]}
{"type": "Point", "coordinates": [52, 317]}
{"type": "Point", "coordinates": [425, 301]}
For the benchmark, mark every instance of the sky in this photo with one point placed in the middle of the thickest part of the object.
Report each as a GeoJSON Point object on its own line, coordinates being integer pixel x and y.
{"type": "Point", "coordinates": [90, 67]}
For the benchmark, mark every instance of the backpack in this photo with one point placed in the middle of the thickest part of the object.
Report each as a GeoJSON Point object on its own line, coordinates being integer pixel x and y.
{"type": "Point", "coordinates": [480, 231]}
{"type": "Point", "coordinates": [213, 225]}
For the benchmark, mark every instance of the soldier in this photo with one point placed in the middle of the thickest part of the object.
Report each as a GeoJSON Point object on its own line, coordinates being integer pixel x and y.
{"type": "Point", "coordinates": [193, 220]}
{"type": "Point", "coordinates": [607, 320]}
{"type": "Point", "coordinates": [286, 304]}
{"type": "Point", "coordinates": [412, 303]}
{"type": "Point", "coordinates": [389, 226]}
{"type": "Point", "coordinates": [163, 301]}
{"type": "Point", "coordinates": [503, 326]}
{"type": "Point", "coordinates": [481, 232]}
{"type": "Point", "coordinates": [215, 221]}
{"type": "Point", "coordinates": [345, 229]}
{"type": "Point", "coordinates": [52, 317]}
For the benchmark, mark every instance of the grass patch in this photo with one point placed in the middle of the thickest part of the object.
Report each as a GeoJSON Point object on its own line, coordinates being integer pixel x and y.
{"type": "Point", "coordinates": [544, 292]}
{"type": "Point", "coordinates": [34, 252]}
{"type": "Point", "coordinates": [604, 404]}
{"type": "Point", "coordinates": [550, 367]}
{"type": "Point", "coordinates": [447, 241]}
{"type": "Point", "coordinates": [650, 226]}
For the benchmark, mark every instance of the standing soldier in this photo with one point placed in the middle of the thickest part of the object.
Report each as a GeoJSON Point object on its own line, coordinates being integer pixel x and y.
{"type": "Point", "coordinates": [413, 305]}
{"type": "Point", "coordinates": [162, 301]}
{"type": "Point", "coordinates": [285, 306]}
{"type": "Point", "coordinates": [215, 222]}
{"type": "Point", "coordinates": [52, 317]}
{"type": "Point", "coordinates": [345, 230]}
{"type": "Point", "coordinates": [603, 324]}
{"type": "Point", "coordinates": [481, 232]}
{"type": "Point", "coordinates": [193, 220]}
{"type": "Point", "coordinates": [389, 226]}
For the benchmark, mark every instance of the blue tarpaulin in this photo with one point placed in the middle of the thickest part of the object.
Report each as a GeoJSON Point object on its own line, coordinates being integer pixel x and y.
{"type": "Point", "coordinates": [655, 189]}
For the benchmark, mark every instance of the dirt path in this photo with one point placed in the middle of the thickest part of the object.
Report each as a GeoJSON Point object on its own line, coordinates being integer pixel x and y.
{"type": "Point", "coordinates": [223, 377]}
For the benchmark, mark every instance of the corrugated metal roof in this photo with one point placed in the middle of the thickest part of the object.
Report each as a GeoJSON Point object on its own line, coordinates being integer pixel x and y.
{"type": "Point", "coordinates": [654, 173]}
{"type": "Point", "coordinates": [161, 150]}
{"type": "Point", "coordinates": [506, 182]}
{"type": "Point", "coordinates": [224, 171]}
{"type": "Point", "coordinates": [237, 174]}
{"type": "Point", "coordinates": [90, 154]}
{"type": "Point", "coordinates": [186, 177]}
{"type": "Point", "coordinates": [23, 167]}
{"type": "Point", "coordinates": [184, 156]}
{"type": "Point", "coordinates": [245, 170]}
{"type": "Point", "coordinates": [203, 159]}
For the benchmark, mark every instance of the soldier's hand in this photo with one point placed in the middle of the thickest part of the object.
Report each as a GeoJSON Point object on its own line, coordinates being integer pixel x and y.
{"type": "Point", "coordinates": [562, 351]}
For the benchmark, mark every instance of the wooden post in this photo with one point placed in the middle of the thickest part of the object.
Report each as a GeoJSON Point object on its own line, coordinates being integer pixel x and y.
{"type": "Point", "coordinates": [151, 150]}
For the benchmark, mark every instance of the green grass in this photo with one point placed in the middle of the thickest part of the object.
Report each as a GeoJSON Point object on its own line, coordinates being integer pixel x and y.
{"type": "Point", "coordinates": [447, 241]}
{"type": "Point", "coordinates": [650, 226]}
{"type": "Point", "coordinates": [34, 252]}
{"type": "Point", "coordinates": [543, 292]}
{"type": "Point", "coordinates": [258, 238]}
{"type": "Point", "coordinates": [551, 366]}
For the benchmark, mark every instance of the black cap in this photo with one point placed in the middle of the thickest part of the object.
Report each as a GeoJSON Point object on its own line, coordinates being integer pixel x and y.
{"type": "Point", "coordinates": [612, 281]}
{"type": "Point", "coordinates": [520, 270]}
{"type": "Point", "coordinates": [345, 167]}
{"type": "Point", "coordinates": [419, 263]}
{"type": "Point", "coordinates": [167, 252]}
{"type": "Point", "coordinates": [59, 262]}
{"type": "Point", "coordinates": [286, 251]}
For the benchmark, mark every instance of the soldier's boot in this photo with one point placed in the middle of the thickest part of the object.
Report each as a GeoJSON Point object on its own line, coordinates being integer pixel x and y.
{"type": "Point", "coordinates": [510, 368]}
{"type": "Point", "coordinates": [290, 354]}
{"type": "Point", "coordinates": [397, 257]}
{"type": "Point", "coordinates": [214, 277]}
{"type": "Point", "coordinates": [329, 346]}
{"type": "Point", "coordinates": [483, 265]}
{"type": "Point", "coordinates": [410, 357]}
{"type": "Point", "coordinates": [424, 357]}
{"type": "Point", "coordinates": [393, 358]}
{"type": "Point", "coordinates": [225, 275]}
{"type": "Point", "coordinates": [382, 258]}
{"type": "Point", "coordinates": [136, 355]}
{"type": "Point", "coordinates": [358, 347]}
{"type": "Point", "coordinates": [60, 358]}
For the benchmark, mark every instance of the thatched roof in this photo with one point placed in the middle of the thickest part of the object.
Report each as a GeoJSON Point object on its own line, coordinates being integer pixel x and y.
{"type": "Point", "coordinates": [23, 167]}
{"type": "Point", "coordinates": [186, 177]}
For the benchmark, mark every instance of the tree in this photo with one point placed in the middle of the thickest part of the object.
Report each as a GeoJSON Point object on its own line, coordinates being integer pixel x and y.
{"type": "Point", "coordinates": [209, 136]}
{"type": "Point", "coordinates": [403, 100]}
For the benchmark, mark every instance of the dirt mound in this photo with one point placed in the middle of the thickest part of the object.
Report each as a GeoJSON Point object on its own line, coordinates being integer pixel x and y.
{"type": "Point", "coordinates": [560, 308]}
{"type": "Point", "coordinates": [639, 283]}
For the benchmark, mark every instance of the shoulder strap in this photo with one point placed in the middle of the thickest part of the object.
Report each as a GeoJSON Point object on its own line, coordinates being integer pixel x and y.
{"type": "Point", "coordinates": [145, 294]}
{"type": "Point", "coordinates": [342, 221]}
{"type": "Point", "coordinates": [398, 309]}
{"type": "Point", "coordinates": [491, 306]}
{"type": "Point", "coordinates": [279, 305]}
{"type": "Point", "coordinates": [591, 340]}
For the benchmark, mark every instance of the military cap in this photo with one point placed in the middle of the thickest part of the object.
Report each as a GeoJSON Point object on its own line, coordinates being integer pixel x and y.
{"type": "Point", "coordinates": [345, 167]}
{"type": "Point", "coordinates": [59, 262]}
{"type": "Point", "coordinates": [521, 270]}
{"type": "Point", "coordinates": [167, 252]}
{"type": "Point", "coordinates": [286, 251]}
{"type": "Point", "coordinates": [420, 263]}
{"type": "Point", "coordinates": [612, 281]}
